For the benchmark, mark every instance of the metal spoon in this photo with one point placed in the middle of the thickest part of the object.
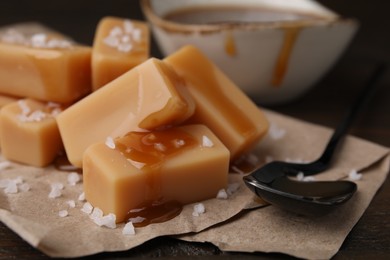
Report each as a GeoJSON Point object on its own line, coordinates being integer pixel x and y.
{"type": "Point", "coordinates": [272, 183]}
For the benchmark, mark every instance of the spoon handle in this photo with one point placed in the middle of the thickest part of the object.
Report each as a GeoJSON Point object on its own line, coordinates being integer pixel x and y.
{"type": "Point", "coordinates": [363, 98]}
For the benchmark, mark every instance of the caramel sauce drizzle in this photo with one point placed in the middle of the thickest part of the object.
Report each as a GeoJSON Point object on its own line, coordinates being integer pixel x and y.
{"type": "Point", "coordinates": [147, 151]}
{"type": "Point", "coordinates": [290, 36]}
{"type": "Point", "coordinates": [230, 45]}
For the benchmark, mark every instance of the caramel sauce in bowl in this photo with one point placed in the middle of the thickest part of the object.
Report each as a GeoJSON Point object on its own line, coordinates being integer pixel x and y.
{"type": "Point", "coordinates": [273, 50]}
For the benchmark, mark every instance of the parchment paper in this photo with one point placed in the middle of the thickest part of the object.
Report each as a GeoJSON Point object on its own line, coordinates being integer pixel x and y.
{"type": "Point", "coordinates": [240, 223]}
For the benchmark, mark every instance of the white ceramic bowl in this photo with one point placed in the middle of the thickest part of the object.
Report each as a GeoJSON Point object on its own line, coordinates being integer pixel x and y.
{"type": "Point", "coordinates": [273, 61]}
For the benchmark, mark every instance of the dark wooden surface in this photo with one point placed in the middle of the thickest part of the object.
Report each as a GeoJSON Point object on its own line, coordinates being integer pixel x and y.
{"type": "Point", "coordinates": [324, 104]}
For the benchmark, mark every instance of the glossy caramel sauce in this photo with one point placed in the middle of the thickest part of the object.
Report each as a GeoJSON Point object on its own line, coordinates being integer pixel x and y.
{"type": "Point", "coordinates": [154, 212]}
{"type": "Point", "coordinates": [147, 151]}
{"type": "Point", "coordinates": [230, 45]}
{"type": "Point", "coordinates": [290, 36]}
{"type": "Point", "coordinates": [234, 15]}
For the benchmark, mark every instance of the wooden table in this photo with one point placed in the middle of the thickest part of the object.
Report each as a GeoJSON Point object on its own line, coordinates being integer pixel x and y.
{"type": "Point", "coordinates": [370, 238]}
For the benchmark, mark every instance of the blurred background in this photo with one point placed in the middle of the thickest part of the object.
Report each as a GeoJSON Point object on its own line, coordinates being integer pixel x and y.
{"type": "Point", "coordinates": [79, 18]}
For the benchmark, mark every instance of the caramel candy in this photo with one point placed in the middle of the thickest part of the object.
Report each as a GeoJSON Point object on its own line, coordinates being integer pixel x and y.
{"type": "Point", "coordinates": [220, 104]}
{"type": "Point", "coordinates": [184, 165]}
{"type": "Point", "coordinates": [147, 97]}
{"type": "Point", "coordinates": [5, 100]}
{"type": "Point", "coordinates": [29, 132]}
{"type": "Point", "coordinates": [43, 66]}
{"type": "Point", "coordinates": [119, 45]}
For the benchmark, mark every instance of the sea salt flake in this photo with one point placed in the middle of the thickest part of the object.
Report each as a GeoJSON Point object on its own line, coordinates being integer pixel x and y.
{"type": "Point", "coordinates": [116, 31]}
{"type": "Point", "coordinates": [138, 165]}
{"type": "Point", "coordinates": [199, 209]}
{"type": "Point", "coordinates": [55, 191]}
{"type": "Point", "coordinates": [222, 194]}
{"type": "Point", "coordinates": [24, 187]}
{"type": "Point", "coordinates": [110, 142]}
{"type": "Point", "coordinates": [111, 41]}
{"type": "Point", "coordinates": [125, 47]}
{"type": "Point", "coordinates": [128, 229]}
{"type": "Point", "coordinates": [232, 188]}
{"type": "Point", "coordinates": [159, 147]}
{"type": "Point", "coordinates": [136, 35]}
{"type": "Point", "coordinates": [128, 26]}
{"type": "Point", "coordinates": [87, 208]}
{"type": "Point", "coordinates": [71, 203]}
{"type": "Point", "coordinates": [276, 132]}
{"type": "Point", "coordinates": [74, 178]}
{"type": "Point", "coordinates": [63, 213]}
{"type": "Point", "coordinates": [206, 142]}
{"type": "Point", "coordinates": [178, 143]}
{"type": "Point", "coordinates": [354, 175]}
{"type": "Point", "coordinates": [107, 221]}
{"type": "Point", "coordinates": [96, 214]}
{"type": "Point", "coordinates": [81, 197]}
{"type": "Point", "coordinates": [12, 188]}
{"type": "Point", "coordinates": [5, 165]}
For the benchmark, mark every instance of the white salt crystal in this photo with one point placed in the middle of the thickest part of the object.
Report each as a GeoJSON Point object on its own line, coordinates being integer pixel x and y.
{"type": "Point", "coordinates": [24, 187]}
{"type": "Point", "coordinates": [276, 132]}
{"type": "Point", "coordinates": [128, 26]}
{"type": "Point", "coordinates": [81, 197]}
{"type": "Point", "coordinates": [136, 35]}
{"type": "Point", "coordinates": [138, 165]}
{"type": "Point", "coordinates": [222, 194]}
{"type": "Point", "coordinates": [4, 183]}
{"type": "Point", "coordinates": [159, 147]}
{"type": "Point", "coordinates": [73, 178]}
{"type": "Point", "coordinates": [206, 142]}
{"type": "Point", "coordinates": [4, 165]}
{"type": "Point", "coordinates": [63, 213]}
{"type": "Point", "coordinates": [232, 188]}
{"type": "Point", "coordinates": [110, 142]}
{"type": "Point", "coordinates": [125, 47]}
{"type": "Point", "coordinates": [178, 143]}
{"type": "Point", "coordinates": [71, 203]}
{"type": "Point", "coordinates": [111, 41]}
{"type": "Point", "coordinates": [24, 107]}
{"type": "Point", "coordinates": [87, 208]}
{"type": "Point", "coordinates": [11, 188]}
{"type": "Point", "coordinates": [354, 175]}
{"type": "Point", "coordinates": [198, 209]}
{"type": "Point", "coordinates": [116, 31]}
{"type": "Point", "coordinates": [55, 191]}
{"type": "Point", "coordinates": [128, 229]}
{"type": "Point", "coordinates": [96, 214]}
{"type": "Point", "coordinates": [107, 221]}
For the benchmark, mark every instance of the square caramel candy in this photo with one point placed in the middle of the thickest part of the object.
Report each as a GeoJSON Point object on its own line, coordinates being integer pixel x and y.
{"type": "Point", "coordinates": [119, 45]}
{"type": "Point", "coordinates": [183, 164]}
{"type": "Point", "coordinates": [29, 132]}
{"type": "Point", "coordinates": [44, 66]}
{"type": "Point", "coordinates": [220, 104]}
{"type": "Point", "coordinates": [148, 96]}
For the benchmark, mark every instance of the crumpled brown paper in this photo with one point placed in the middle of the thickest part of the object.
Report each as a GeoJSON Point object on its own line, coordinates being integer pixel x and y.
{"type": "Point", "coordinates": [229, 224]}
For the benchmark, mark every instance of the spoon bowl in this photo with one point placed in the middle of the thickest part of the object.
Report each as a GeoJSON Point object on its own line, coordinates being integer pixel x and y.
{"type": "Point", "coordinates": [273, 182]}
